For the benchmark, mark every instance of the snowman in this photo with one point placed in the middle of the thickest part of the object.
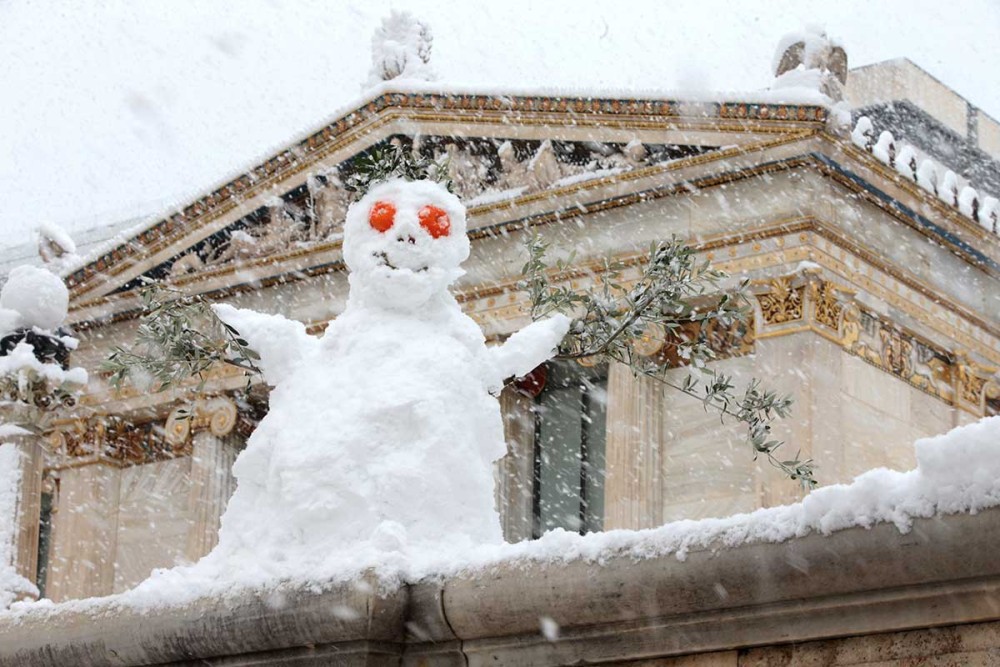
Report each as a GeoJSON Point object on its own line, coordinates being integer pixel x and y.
{"type": "Point", "coordinates": [384, 431]}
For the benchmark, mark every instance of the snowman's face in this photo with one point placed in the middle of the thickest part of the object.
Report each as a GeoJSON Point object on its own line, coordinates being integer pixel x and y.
{"type": "Point", "coordinates": [404, 242]}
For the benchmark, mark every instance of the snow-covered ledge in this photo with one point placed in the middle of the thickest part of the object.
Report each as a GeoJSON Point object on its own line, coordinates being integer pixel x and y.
{"type": "Point", "coordinates": [855, 581]}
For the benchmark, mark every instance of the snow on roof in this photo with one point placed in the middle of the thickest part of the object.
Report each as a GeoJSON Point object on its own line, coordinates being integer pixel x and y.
{"type": "Point", "coordinates": [926, 172]}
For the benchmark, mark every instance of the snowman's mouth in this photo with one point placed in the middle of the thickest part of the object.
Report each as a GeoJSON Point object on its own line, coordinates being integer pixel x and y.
{"type": "Point", "coordinates": [384, 261]}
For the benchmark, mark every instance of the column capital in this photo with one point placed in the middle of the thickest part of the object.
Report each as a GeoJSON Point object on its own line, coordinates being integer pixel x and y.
{"type": "Point", "coordinates": [216, 415]}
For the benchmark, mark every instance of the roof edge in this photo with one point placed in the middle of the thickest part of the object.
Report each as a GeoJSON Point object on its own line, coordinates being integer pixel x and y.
{"type": "Point", "coordinates": [760, 106]}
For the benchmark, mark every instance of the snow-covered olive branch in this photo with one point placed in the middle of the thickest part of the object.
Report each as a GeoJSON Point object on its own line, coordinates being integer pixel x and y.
{"type": "Point", "coordinates": [179, 337]}
{"type": "Point", "coordinates": [678, 300]}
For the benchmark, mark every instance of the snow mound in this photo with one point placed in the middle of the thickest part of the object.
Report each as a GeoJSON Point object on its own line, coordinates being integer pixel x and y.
{"type": "Point", "coordinates": [38, 296]}
{"type": "Point", "coordinates": [381, 435]}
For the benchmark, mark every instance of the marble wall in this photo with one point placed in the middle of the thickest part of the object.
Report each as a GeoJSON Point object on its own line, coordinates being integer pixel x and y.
{"type": "Point", "coordinates": [154, 519]}
{"type": "Point", "coordinates": [112, 526]}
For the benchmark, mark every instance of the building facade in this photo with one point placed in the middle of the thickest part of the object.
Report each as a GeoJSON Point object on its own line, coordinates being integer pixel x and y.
{"type": "Point", "coordinates": [874, 263]}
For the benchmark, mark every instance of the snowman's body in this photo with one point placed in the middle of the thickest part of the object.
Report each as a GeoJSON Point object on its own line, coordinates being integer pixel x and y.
{"type": "Point", "coordinates": [386, 429]}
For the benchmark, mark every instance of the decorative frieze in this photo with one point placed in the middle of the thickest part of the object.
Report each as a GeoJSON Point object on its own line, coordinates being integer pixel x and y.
{"type": "Point", "coordinates": [734, 340]}
{"type": "Point", "coordinates": [118, 441]}
{"type": "Point", "coordinates": [806, 301]}
{"type": "Point", "coordinates": [110, 439]}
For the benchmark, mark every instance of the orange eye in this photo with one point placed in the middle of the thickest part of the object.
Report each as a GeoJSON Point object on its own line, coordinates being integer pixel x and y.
{"type": "Point", "coordinates": [381, 216]}
{"type": "Point", "coordinates": [435, 221]}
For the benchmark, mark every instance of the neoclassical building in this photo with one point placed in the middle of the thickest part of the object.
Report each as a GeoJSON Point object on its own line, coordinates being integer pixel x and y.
{"type": "Point", "coordinates": [868, 228]}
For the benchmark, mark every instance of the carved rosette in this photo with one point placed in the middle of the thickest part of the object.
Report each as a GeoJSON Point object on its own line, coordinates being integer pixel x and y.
{"type": "Point", "coordinates": [652, 340]}
{"type": "Point", "coordinates": [177, 429]}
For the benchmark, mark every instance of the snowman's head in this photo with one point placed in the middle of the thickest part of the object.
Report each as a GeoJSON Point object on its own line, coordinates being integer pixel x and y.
{"type": "Point", "coordinates": [404, 242]}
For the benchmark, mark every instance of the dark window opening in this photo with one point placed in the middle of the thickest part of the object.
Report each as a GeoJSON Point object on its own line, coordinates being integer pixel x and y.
{"type": "Point", "coordinates": [44, 541]}
{"type": "Point", "coordinates": [570, 434]}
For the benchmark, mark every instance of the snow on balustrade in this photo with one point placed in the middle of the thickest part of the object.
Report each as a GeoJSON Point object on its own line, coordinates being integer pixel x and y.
{"type": "Point", "coordinates": [928, 174]}
{"type": "Point", "coordinates": [885, 148]}
{"type": "Point", "coordinates": [989, 215]}
{"type": "Point", "coordinates": [948, 188]}
{"type": "Point", "coordinates": [944, 482]}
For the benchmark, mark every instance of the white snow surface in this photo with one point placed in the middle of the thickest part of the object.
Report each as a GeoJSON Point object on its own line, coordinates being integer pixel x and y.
{"type": "Point", "coordinates": [989, 209]}
{"type": "Point", "coordinates": [799, 78]}
{"type": "Point", "coordinates": [22, 358]}
{"type": "Point", "coordinates": [381, 435]}
{"type": "Point", "coordinates": [957, 472]}
{"type": "Point", "coordinates": [11, 583]}
{"type": "Point", "coordinates": [38, 296]}
{"type": "Point", "coordinates": [58, 235]}
{"type": "Point", "coordinates": [281, 343]}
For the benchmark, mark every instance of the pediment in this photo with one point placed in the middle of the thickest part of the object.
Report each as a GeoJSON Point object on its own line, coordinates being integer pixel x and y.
{"type": "Point", "coordinates": [497, 150]}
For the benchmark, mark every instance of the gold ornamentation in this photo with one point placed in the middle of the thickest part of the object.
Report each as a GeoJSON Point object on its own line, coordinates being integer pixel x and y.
{"type": "Point", "coordinates": [782, 303]}
{"type": "Point", "coordinates": [217, 415]}
{"type": "Point", "coordinates": [974, 384]}
{"type": "Point", "coordinates": [112, 439]}
{"type": "Point", "coordinates": [850, 327]}
{"type": "Point", "coordinates": [222, 415]}
{"type": "Point", "coordinates": [651, 341]}
{"type": "Point", "coordinates": [178, 426]}
{"type": "Point", "coordinates": [732, 341]}
{"type": "Point", "coordinates": [827, 307]}
{"type": "Point", "coordinates": [896, 352]}
{"type": "Point", "coordinates": [119, 441]}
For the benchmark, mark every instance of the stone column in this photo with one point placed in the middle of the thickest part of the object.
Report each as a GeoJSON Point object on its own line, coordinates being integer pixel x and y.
{"type": "Point", "coordinates": [633, 492]}
{"type": "Point", "coordinates": [214, 450]}
{"type": "Point", "coordinates": [20, 500]}
{"type": "Point", "coordinates": [84, 532]}
{"type": "Point", "coordinates": [515, 471]}
{"type": "Point", "coordinates": [29, 504]}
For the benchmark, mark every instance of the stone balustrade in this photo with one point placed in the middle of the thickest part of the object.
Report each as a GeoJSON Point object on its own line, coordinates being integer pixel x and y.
{"type": "Point", "coordinates": [871, 593]}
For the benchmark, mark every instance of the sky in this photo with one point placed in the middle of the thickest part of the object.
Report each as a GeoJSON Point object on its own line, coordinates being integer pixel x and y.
{"type": "Point", "coordinates": [113, 110]}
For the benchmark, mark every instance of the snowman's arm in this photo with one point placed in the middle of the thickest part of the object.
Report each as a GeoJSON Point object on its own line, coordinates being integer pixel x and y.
{"type": "Point", "coordinates": [529, 347]}
{"type": "Point", "coordinates": [281, 343]}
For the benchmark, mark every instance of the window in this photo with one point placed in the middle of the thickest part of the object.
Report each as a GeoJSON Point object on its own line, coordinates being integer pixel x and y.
{"type": "Point", "coordinates": [44, 538]}
{"type": "Point", "coordinates": [570, 425]}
